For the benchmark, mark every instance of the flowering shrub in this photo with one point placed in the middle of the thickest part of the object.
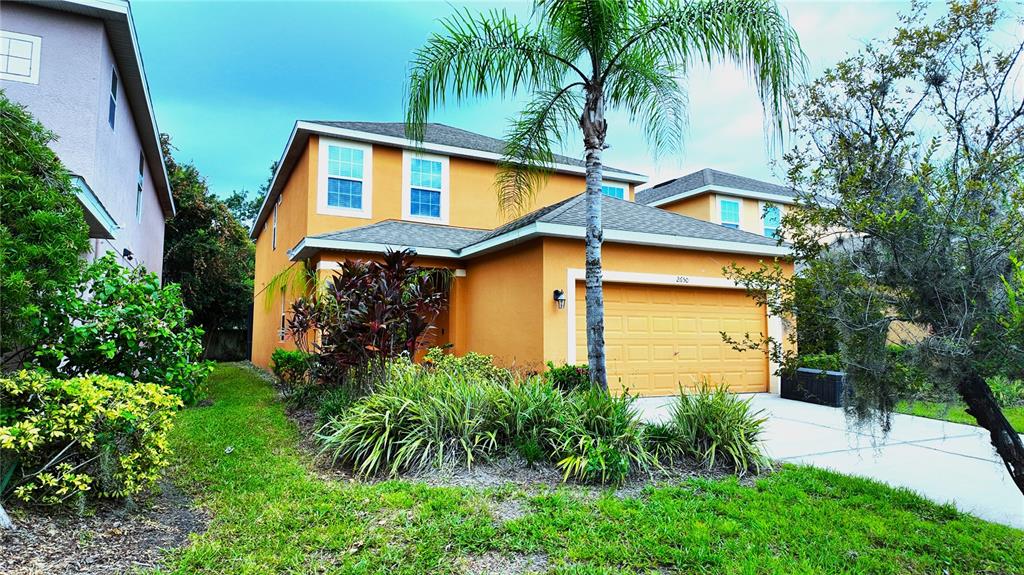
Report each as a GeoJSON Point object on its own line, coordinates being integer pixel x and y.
{"type": "Point", "coordinates": [60, 438]}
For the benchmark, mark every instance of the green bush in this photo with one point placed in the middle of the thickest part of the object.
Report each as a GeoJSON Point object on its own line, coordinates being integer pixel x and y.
{"type": "Point", "coordinates": [471, 364]}
{"type": "Point", "coordinates": [823, 361]}
{"type": "Point", "coordinates": [290, 366]}
{"type": "Point", "coordinates": [600, 438]}
{"type": "Point", "coordinates": [333, 402]}
{"type": "Point", "coordinates": [42, 231]}
{"type": "Point", "coordinates": [63, 438]}
{"type": "Point", "coordinates": [713, 424]}
{"type": "Point", "coordinates": [121, 322]}
{"type": "Point", "coordinates": [568, 377]}
{"type": "Point", "coordinates": [1008, 392]}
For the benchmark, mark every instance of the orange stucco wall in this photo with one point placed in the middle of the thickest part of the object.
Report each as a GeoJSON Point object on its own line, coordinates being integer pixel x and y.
{"type": "Point", "coordinates": [696, 207]}
{"type": "Point", "coordinates": [705, 207]}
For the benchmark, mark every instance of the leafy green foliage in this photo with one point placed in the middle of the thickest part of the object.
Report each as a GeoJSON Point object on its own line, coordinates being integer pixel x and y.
{"type": "Point", "coordinates": [42, 232]}
{"type": "Point", "coordinates": [206, 251]}
{"type": "Point", "coordinates": [290, 366]}
{"type": "Point", "coordinates": [471, 363]}
{"type": "Point", "coordinates": [568, 377]}
{"type": "Point", "coordinates": [1008, 392]}
{"type": "Point", "coordinates": [714, 425]}
{"type": "Point", "coordinates": [67, 438]}
{"type": "Point", "coordinates": [121, 322]}
{"type": "Point", "coordinates": [823, 361]}
{"type": "Point", "coordinates": [827, 523]}
{"type": "Point", "coordinates": [369, 312]}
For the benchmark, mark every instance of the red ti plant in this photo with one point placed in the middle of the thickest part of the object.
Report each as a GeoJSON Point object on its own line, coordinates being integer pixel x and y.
{"type": "Point", "coordinates": [369, 312]}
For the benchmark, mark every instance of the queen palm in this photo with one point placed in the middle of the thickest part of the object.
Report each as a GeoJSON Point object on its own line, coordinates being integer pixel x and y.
{"type": "Point", "coordinates": [577, 59]}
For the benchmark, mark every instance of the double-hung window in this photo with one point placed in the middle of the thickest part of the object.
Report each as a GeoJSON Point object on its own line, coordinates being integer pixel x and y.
{"type": "Point", "coordinates": [138, 187]}
{"type": "Point", "coordinates": [613, 191]}
{"type": "Point", "coordinates": [729, 212]}
{"type": "Point", "coordinates": [282, 332]}
{"type": "Point", "coordinates": [345, 170]}
{"type": "Point", "coordinates": [771, 217]}
{"type": "Point", "coordinates": [112, 110]}
{"type": "Point", "coordinates": [273, 237]}
{"type": "Point", "coordinates": [425, 187]}
{"type": "Point", "coordinates": [19, 57]}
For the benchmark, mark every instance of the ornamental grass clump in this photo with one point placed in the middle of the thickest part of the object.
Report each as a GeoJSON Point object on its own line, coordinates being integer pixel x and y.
{"type": "Point", "coordinates": [67, 438]}
{"type": "Point", "coordinates": [716, 426]}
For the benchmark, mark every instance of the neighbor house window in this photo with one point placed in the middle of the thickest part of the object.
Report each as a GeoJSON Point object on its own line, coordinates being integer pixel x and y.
{"type": "Point", "coordinates": [138, 188]}
{"type": "Point", "coordinates": [282, 332]}
{"type": "Point", "coordinates": [112, 112]}
{"type": "Point", "coordinates": [273, 236]}
{"type": "Point", "coordinates": [613, 191]}
{"type": "Point", "coordinates": [425, 187]}
{"type": "Point", "coordinates": [729, 212]}
{"type": "Point", "coordinates": [19, 57]}
{"type": "Point", "coordinates": [772, 218]}
{"type": "Point", "coordinates": [344, 181]}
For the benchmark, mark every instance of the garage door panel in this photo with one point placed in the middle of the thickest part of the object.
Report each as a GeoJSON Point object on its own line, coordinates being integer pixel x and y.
{"type": "Point", "coordinates": [660, 337]}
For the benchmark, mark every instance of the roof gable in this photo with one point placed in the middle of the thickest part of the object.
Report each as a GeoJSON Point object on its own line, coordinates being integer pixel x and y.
{"type": "Point", "coordinates": [709, 180]}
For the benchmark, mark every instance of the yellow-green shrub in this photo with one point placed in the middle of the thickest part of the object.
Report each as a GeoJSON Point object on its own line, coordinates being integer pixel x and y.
{"type": "Point", "coordinates": [95, 434]}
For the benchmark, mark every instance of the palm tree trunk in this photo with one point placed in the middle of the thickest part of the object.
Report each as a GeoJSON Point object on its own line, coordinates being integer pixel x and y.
{"type": "Point", "coordinates": [594, 126]}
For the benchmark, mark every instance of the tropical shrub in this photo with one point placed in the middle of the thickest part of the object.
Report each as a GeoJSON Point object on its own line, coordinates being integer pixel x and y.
{"type": "Point", "coordinates": [333, 402]}
{"type": "Point", "coordinates": [369, 312]}
{"type": "Point", "coordinates": [472, 363]}
{"type": "Point", "coordinates": [568, 377]}
{"type": "Point", "coordinates": [1008, 392]}
{"type": "Point", "coordinates": [530, 410]}
{"type": "Point", "coordinates": [713, 425]}
{"type": "Point", "coordinates": [121, 322]}
{"type": "Point", "coordinates": [823, 361]}
{"type": "Point", "coordinates": [42, 231]}
{"type": "Point", "coordinates": [64, 438]}
{"type": "Point", "coordinates": [600, 438]}
{"type": "Point", "coordinates": [290, 366]}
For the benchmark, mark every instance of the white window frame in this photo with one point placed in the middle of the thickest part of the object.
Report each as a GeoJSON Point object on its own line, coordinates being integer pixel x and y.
{"type": "Point", "coordinates": [623, 187]}
{"type": "Point", "coordinates": [407, 157]}
{"type": "Point", "coordinates": [115, 79]}
{"type": "Point", "coordinates": [139, 187]}
{"type": "Point", "coordinates": [739, 202]}
{"type": "Point", "coordinates": [37, 44]}
{"type": "Point", "coordinates": [282, 332]}
{"type": "Point", "coordinates": [322, 206]}
{"type": "Point", "coordinates": [761, 207]}
{"type": "Point", "coordinates": [273, 237]}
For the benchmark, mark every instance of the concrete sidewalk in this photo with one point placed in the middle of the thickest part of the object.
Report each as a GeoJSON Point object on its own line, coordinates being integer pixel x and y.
{"type": "Point", "coordinates": [946, 462]}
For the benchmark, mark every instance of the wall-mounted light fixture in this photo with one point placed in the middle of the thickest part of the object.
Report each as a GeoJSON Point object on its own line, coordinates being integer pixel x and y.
{"type": "Point", "coordinates": [559, 297]}
{"type": "Point", "coordinates": [127, 254]}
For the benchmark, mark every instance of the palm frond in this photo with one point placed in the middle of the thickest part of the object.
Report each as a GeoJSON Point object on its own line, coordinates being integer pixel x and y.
{"type": "Point", "coordinates": [478, 55]}
{"type": "Point", "coordinates": [754, 34]}
{"type": "Point", "coordinates": [648, 89]}
{"type": "Point", "coordinates": [529, 145]}
{"type": "Point", "coordinates": [298, 279]}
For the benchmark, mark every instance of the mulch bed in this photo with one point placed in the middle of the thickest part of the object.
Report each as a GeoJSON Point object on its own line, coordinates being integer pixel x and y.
{"type": "Point", "coordinates": [111, 538]}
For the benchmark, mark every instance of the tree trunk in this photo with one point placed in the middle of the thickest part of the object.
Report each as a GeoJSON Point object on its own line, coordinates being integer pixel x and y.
{"type": "Point", "coordinates": [594, 127]}
{"type": "Point", "coordinates": [982, 405]}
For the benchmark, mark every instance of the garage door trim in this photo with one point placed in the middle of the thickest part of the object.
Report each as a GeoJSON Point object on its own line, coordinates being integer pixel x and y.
{"type": "Point", "coordinates": [775, 329]}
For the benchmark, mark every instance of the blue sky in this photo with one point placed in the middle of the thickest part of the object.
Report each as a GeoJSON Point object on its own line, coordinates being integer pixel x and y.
{"type": "Point", "coordinates": [228, 80]}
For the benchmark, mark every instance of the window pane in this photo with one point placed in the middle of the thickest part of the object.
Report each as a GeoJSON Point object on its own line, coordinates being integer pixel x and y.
{"type": "Point", "coordinates": [730, 213]}
{"type": "Point", "coordinates": [425, 173]}
{"type": "Point", "coordinates": [425, 203]}
{"type": "Point", "coordinates": [345, 162]}
{"type": "Point", "coordinates": [344, 193]}
{"type": "Point", "coordinates": [772, 217]}
{"type": "Point", "coordinates": [614, 191]}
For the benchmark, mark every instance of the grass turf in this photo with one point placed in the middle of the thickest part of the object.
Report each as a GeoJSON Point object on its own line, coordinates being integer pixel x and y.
{"type": "Point", "coordinates": [957, 413]}
{"type": "Point", "coordinates": [271, 514]}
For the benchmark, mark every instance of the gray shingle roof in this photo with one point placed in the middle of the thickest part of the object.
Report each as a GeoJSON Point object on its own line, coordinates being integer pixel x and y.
{"type": "Point", "coordinates": [411, 234]}
{"type": "Point", "coordinates": [626, 216]}
{"type": "Point", "coordinates": [447, 136]}
{"type": "Point", "coordinates": [709, 177]}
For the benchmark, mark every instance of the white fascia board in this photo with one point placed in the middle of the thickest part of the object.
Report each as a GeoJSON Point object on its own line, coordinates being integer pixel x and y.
{"type": "Point", "coordinates": [774, 198]}
{"type": "Point", "coordinates": [453, 150]}
{"type": "Point", "coordinates": [273, 184]}
{"type": "Point", "coordinates": [618, 236]}
{"type": "Point", "coordinates": [308, 246]}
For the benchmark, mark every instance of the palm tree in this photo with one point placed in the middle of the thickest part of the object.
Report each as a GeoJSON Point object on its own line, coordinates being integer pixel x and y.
{"type": "Point", "coordinates": [579, 58]}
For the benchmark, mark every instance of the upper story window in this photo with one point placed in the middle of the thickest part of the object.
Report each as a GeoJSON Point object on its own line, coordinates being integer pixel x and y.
{"type": "Point", "coordinates": [138, 188]}
{"type": "Point", "coordinates": [19, 57]}
{"type": "Point", "coordinates": [344, 180]}
{"type": "Point", "coordinates": [771, 217]}
{"type": "Point", "coordinates": [425, 187]}
{"type": "Point", "coordinates": [614, 191]}
{"type": "Point", "coordinates": [112, 111]}
{"type": "Point", "coordinates": [729, 212]}
{"type": "Point", "coordinates": [273, 235]}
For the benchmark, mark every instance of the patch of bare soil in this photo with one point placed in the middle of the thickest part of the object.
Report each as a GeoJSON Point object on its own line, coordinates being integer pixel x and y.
{"type": "Point", "coordinates": [112, 539]}
{"type": "Point", "coordinates": [494, 563]}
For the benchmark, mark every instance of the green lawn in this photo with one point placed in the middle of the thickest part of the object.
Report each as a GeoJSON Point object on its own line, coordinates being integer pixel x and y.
{"type": "Point", "coordinates": [957, 413]}
{"type": "Point", "coordinates": [272, 515]}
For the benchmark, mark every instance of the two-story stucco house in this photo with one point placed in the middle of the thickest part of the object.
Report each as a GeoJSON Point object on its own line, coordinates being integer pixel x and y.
{"type": "Point", "coordinates": [355, 189]}
{"type": "Point", "coordinates": [76, 65]}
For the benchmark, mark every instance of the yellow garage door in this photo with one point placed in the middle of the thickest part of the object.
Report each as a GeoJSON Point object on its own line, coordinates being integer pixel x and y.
{"type": "Point", "coordinates": [658, 337]}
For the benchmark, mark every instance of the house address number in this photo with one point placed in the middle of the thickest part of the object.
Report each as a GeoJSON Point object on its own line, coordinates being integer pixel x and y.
{"type": "Point", "coordinates": [682, 279]}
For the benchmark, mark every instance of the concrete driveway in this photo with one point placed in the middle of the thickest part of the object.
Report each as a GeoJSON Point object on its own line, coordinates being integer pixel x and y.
{"type": "Point", "coordinates": [946, 462]}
